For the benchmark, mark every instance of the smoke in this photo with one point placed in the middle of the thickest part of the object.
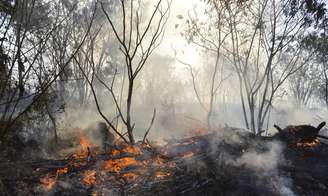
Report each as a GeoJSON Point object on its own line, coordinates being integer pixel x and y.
{"type": "Point", "coordinates": [262, 162]}
{"type": "Point", "coordinates": [265, 165]}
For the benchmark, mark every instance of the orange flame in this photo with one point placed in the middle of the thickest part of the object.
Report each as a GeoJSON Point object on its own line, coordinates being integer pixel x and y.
{"type": "Point", "coordinates": [130, 176]}
{"type": "Point", "coordinates": [62, 170]}
{"type": "Point", "coordinates": [161, 174]}
{"type": "Point", "coordinates": [113, 165]}
{"type": "Point", "coordinates": [89, 177]}
{"type": "Point", "coordinates": [115, 152]}
{"type": "Point", "coordinates": [85, 145]}
{"type": "Point", "coordinates": [84, 142]}
{"type": "Point", "coordinates": [48, 181]}
{"type": "Point", "coordinates": [132, 150]}
{"type": "Point", "coordinates": [118, 164]}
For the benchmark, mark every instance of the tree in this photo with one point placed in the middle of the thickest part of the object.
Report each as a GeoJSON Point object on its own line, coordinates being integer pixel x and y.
{"type": "Point", "coordinates": [258, 35]}
{"type": "Point", "coordinates": [318, 43]}
{"type": "Point", "coordinates": [210, 36]}
{"type": "Point", "coordinates": [304, 83]}
{"type": "Point", "coordinates": [137, 38]}
{"type": "Point", "coordinates": [32, 26]}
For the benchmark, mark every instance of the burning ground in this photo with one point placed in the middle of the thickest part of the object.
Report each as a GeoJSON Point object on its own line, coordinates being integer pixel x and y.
{"type": "Point", "coordinates": [228, 162]}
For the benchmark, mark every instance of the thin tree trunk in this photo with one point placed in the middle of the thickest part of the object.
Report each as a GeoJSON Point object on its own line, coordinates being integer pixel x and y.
{"type": "Point", "coordinates": [128, 111]}
{"type": "Point", "coordinates": [326, 87]}
{"type": "Point", "coordinates": [53, 121]}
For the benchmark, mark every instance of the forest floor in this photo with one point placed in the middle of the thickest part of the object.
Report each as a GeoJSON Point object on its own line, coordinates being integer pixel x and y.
{"type": "Point", "coordinates": [229, 162]}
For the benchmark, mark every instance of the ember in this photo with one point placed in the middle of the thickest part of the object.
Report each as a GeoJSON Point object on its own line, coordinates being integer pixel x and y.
{"type": "Point", "coordinates": [118, 164]}
{"type": "Point", "coordinates": [89, 177]}
{"type": "Point", "coordinates": [130, 176]}
{"type": "Point", "coordinates": [62, 170]}
{"type": "Point", "coordinates": [137, 97]}
{"type": "Point", "coordinates": [132, 150]}
{"type": "Point", "coordinates": [308, 143]}
{"type": "Point", "coordinates": [161, 174]}
{"type": "Point", "coordinates": [301, 136]}
{"type": "Point", "coordinates": [48, 181]}
{"type": "Point", "coordinates": [115, 152]}
{"type": "Point", "coordinates": [140, 169]}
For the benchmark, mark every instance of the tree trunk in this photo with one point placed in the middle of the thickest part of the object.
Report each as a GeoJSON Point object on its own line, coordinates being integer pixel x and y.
{"type": "Point", "coordinates": [128, 111]}
{"type": "Point", "coordinates": [326, 87]}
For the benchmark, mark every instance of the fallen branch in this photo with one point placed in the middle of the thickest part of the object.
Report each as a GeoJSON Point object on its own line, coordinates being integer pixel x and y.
{"type": "Point", "coordinates": [278, 128]}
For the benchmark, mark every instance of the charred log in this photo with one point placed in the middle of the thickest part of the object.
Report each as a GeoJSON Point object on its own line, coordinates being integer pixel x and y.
{"type": "Point", "coordinates": [302, 132]}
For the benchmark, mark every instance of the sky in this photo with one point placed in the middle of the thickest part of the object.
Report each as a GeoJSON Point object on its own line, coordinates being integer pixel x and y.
{"type": "Point", "coordinates": [173, 41]}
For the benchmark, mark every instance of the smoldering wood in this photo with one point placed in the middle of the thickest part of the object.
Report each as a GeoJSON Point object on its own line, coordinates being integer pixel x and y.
{"type": "Point", "coordinates": [300, 132]}
{"type": "Point", "coordinates": [205, 171]}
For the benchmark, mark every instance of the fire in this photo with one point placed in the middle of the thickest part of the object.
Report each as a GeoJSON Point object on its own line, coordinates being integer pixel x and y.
{"type": "Point", "coordinates": [117, 165]}
{"type": "Point", "coordinates": [89, 177]}
{"type": "Point", "coordinates": [130, 176]}
{"type": "Point", "coordinates": [124, 162]}
{"type": "Point", "coordinates": [84, 142]}
{"type": "Point", "coordinates": [115, 152]}
{"type": "Point", "coordinates": [62, 170]}
{"type": "Point", "coordinates": [132, 150]}
{"type": "Point", "coordinates": [311, 143]}
{"type": "Point", "coordinates": [161, 174]}
{"type": "Point", "coordinates": [48, 181]}
{"type": "Point", "coordinates": [85, 146]}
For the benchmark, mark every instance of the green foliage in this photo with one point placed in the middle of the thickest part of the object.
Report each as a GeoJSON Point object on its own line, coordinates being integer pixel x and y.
{"type": "Point", "coordinates": [319, 44]}
{"type": "Point", "coordinates": [314, 11]}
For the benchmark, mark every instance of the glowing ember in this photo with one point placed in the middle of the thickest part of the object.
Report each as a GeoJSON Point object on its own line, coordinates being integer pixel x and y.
{"type": "Point", "coordinates": [48, 181]}
{"type": "Point", "coordinates": [89, 177]}
{"type": "Point", "coordinates": [115, 152]}
{"type": "Point", "coordinates": [161, 174]}
{"type": "Point", "coordinates": [126, 149]}
{"type": "Point", "coordinates": [130, 176]}
{"type": "Point", "coordinates": [62, 170]}
{"type": "Point", "coordinates": [113, 168]}
{"type": "Point", "coordinates": [118, 164]}
{"type": "Point", "coordinates": [132, 150]}
{"type": "Point", "coordinates": [308, 144]}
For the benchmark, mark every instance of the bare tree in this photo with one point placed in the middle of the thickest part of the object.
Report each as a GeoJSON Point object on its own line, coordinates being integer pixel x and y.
{"type": "Point", "coordinates": [304, 83]}
{"type": "Point", "coordinates": [210, 40]}
{"type": "Point", "coordinates": [254, 36]}
{"type": "Point", "coordinates": [138, 37]}
{"type": "Point", "coordinates": [259, 54]}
